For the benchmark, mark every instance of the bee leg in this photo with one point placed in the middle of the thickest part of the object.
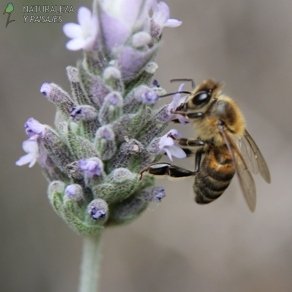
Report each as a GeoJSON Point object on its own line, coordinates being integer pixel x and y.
{"type": "Point", "coordinates": [167, 169]}
{"type": "Point", "coordinates": [190, 116]}
{"type": "Point", "coordinates": [185, 142]}
{"type": "Point", "coordinates": [198, 159]}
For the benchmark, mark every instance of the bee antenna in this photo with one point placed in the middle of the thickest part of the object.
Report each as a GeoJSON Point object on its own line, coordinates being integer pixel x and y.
{"type": "Point", "coordinates": [173, 93]}
{"type": "Point", "coordinates": [184, 79]}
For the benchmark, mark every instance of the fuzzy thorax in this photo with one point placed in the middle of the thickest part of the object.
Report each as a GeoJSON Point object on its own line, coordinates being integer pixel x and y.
{"type": "Point", "coordinates": [223, 110]}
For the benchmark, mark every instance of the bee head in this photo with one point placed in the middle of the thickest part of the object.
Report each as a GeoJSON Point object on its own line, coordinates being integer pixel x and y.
{"type": "Point", "coordinates": [202, 95]}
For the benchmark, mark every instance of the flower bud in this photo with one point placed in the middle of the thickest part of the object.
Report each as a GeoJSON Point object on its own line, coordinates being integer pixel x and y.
{"type": "Point", "coordinates": [111, 109]}
{"type": "Point", "coordinates": [166, 144]}
{"type": "Point", "coordinates": [91, 166]}
{"type": "Point", "coordinates": [98, 210]}
{"type": "Point", "coordinates": [55, 195]}
{"type": "Point", "coordinates": [83, 113]}
{"type": "Point", "coordinates": [119, 185]}
{"type": "Point", "coordinates": [141, 39]}
{"type": "Point", "coordinates": [127, 210]}
{"type": "Point", "coordinates": [73, 192]}
{"type": "Point", "coordinates": [105, 142]}
{"type": "Point", "coordinates": [56, 149]}
{"type": "Point", "coordinates": [92, 169]}
{"type": "Point", "coordinates": [77, 91]}
{"type": "Point", "coordinates": [56, 95]}
{"type": "Point", "coordinates": [113, 78]}
{"type": "Point", "coordinates": [94, 86]}
{"type": "Point", "coordinates": [80, 146]}
{"type": "Point", "coordinates": [34, 128]}
{"type": "Point", "coordinates": [131, 61]}
{"type": "Point", "coordinates": [131, 154]}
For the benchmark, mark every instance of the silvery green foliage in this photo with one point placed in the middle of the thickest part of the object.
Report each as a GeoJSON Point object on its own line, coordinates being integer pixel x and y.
{"type": "Point", "coordinates": [107, 128]}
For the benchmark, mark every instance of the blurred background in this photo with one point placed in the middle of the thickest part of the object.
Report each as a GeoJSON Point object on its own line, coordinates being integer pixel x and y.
{"type": "Point", "coordinates": [177, 245]}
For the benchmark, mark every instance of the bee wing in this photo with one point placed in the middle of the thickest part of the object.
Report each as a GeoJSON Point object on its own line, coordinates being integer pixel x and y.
{"type": "Point", "coordinates": [248, 155]}
{"type": "Point", "coordinates": [245, 178]}
{"type": "Point", "coordinates": [256, 157]}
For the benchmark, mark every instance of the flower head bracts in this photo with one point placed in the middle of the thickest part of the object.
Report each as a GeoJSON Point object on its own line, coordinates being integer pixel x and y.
{"type": "Point", "coordinates": [107, 128]}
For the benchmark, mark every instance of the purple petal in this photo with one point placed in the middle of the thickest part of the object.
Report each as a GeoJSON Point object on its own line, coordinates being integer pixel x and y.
{"type": "Point", "coordinates": [126, 11]}
{"type": "Point", "coordinates": [84, 34]}
{"type": "Point", "coordinates": [161, 13]}
{"type": "Point", "coordinates": [84, 16]}
{"type": "Point", "coordinates": [165, 142]}
{"type": "Point", "coordinates": [46, 89]}
{"type": "Point", "coordinates": [74, 192]}
{"type": "Point", "coordinates": [182, 119]}
{"type": "Point", "coordinates": [141, 39]}
{"type": "Point", "coordinates": [91, 166]}
{"type": "Point", "coordinates": [97, 209]}
{"type": "Point", "coordinates": [34, 127]}
{"type": "Point", "coordinates": [173, 133]}
{"type": "Point", "coordinates": [149, 97]}
{"type": "Point", "coordinates": [105, 132]}
{"type": "Point", "coordinates": [72, 30]}
{"type": "Point", "coordinates": [168, 153]}
{"type": "Point", "coordinates": [25, 159]}
{"type": "Point", "coordinates": [31, 148]}
{"type": "Point", "coordinates": [177, 152]}
{"type": "Point", "coordinates": [172, 22]}
{"type": "Point", "coordinates": [75, 44]}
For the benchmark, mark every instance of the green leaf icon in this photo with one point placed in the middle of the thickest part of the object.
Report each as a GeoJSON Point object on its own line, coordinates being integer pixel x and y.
{"type": "Point", "coordinates": [9, 8]}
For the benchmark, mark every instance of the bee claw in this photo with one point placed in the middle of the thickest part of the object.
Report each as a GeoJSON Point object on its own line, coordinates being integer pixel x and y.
{"type": "Point", "coordinates": [142, 172]}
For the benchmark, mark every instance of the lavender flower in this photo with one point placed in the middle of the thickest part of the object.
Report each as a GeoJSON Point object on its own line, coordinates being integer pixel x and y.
{"type": "Point", "coordinates": [73, 192]}
{"type": "Point", "coordinates": [31, 148]}
{"type": "Point", "coordinates": [34, 128]}
{"type": "Point", "coordinates": [84, 34]}
{"type": "Point", "coordinates": [167, 114]}
{"type": "Point", "coordinates": [160, 19]}
{"type": "Point", "coordinates": [120, 18]}
{"type": "Point", "coordinates": [167, 144]}
{"type": "Point", "coordinates": [108, 128]}
{"type": "Point", "coordinates": [91, 167]}
{"type": "Point", "coordinates": [97, 209]}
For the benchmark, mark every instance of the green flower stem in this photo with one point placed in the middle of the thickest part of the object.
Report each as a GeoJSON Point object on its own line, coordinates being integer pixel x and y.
{"type": "Point", "coordinates": [89, 272]}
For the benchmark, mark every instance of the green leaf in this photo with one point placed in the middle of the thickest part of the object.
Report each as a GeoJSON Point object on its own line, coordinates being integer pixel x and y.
{"type": "Point", "coordinates": [9, 8]}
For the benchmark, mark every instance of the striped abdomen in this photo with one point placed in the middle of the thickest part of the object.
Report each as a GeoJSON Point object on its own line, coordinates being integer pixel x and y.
{"type": "Point", "coordinates": [216, 172]}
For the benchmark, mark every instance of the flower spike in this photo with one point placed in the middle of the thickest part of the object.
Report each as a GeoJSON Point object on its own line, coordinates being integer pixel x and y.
{"type": "Point", "coordinates": [107, 126]}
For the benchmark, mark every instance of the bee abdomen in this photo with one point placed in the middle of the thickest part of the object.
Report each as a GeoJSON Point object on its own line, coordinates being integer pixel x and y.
{"type": "Point", "coordinates": [213, 179]}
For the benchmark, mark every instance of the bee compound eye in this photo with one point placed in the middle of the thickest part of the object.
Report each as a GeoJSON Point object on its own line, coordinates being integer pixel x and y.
{"type": "Point", "coordinates": [202, 97]}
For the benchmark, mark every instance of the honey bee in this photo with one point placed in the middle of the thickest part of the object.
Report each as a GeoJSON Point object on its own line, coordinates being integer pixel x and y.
{"type": "Point", "coordinates": [222, 148]}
